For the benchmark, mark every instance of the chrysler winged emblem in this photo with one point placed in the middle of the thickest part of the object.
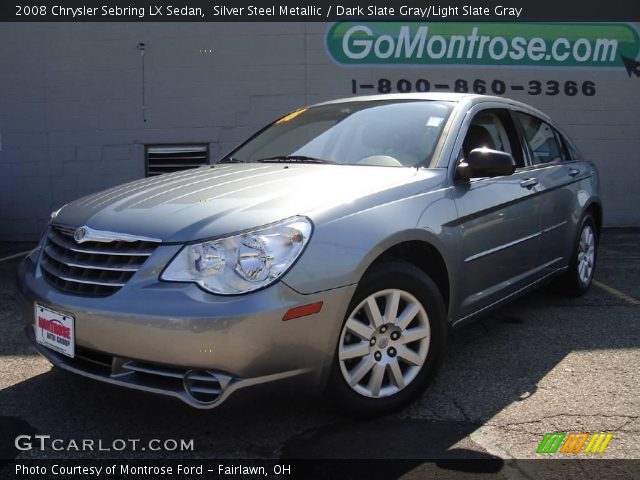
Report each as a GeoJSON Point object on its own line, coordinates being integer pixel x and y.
{"type": "Point", "coordinates": [88, 234]}
{"type": "Point", "coordinates": [79, 234]}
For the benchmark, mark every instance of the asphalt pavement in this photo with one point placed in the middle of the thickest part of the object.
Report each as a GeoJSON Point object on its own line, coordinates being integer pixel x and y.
{"type": "Point", "coordinates": [542, 364]}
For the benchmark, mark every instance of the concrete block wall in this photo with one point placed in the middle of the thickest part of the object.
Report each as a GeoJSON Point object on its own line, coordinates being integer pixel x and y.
{"type": "Point", "coordinates": [72, 122]}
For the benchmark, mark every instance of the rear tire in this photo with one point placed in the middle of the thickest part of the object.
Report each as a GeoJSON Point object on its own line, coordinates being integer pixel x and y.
{"type": "Point", "coordinates": [577, 279]}
{"type": "Point", "coordinates": [391, 341]}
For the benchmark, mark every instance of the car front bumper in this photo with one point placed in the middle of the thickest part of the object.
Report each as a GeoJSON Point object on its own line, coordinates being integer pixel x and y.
{"type": "Point", "coordinates": [176, 339]}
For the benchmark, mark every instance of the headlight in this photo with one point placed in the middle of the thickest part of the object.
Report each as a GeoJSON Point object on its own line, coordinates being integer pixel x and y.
{"type": "Point", "coordinates": [241, 263]}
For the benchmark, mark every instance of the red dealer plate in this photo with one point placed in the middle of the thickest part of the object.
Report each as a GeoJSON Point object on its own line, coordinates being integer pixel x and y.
{"type": "Point", "coordinates": [55, 330]}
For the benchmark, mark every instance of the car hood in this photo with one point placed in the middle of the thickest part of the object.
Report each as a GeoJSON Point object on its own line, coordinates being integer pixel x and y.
{"type": "Point", "coordinates": [213, 201]}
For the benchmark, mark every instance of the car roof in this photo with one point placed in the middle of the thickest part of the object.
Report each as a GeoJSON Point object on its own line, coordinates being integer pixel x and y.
{"type": "Point", "coordinates": [469, 98]}
{"type": "Point", "coordinates": [449, 97]}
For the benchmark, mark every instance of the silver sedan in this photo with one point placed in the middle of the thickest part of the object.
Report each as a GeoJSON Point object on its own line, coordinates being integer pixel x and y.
{"type": "Point", "coordinates": [335, 249]}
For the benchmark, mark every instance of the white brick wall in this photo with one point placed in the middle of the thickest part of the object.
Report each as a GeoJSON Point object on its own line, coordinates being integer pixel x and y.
{"type": "Point", "coordinates": [71, 118]}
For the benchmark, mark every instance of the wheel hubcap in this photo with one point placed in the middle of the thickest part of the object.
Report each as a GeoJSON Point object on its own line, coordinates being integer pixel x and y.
{"type": "Point", "coordinates": [384, 343]}
{"type": "Point", "coordinates": [586, 255]}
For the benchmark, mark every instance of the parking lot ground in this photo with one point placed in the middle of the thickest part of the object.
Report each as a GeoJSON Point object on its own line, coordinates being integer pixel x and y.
{"type": "Point", "coordinates": [543, 364]}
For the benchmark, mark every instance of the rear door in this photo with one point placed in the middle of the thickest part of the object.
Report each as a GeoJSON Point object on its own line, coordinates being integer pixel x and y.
{"type": "Point", "coordinates": [499, 218]}
{"type": "Point", "coordinates": [558, 176]}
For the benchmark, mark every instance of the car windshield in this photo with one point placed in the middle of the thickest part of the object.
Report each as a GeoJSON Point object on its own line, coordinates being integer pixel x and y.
{"type": "Point", "coordinates": [385, 133]}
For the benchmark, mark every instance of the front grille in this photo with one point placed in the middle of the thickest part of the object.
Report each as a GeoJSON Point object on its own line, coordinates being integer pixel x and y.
{"type": "Point", "coordinates": [197, 387]}
{"type": "Point", "coordinates": [90, 268]}
{"type": "Point", "coordinates": [92, 360]}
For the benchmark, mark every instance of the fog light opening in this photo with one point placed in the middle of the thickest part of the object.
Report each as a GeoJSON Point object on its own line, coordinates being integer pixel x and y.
{"type": "Point", "coordinates": [202, 386]}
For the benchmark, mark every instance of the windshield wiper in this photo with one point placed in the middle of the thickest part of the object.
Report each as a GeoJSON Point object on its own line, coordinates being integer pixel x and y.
{"type": "Point", "coordinates": [293, 159]}
{"type": "Point", "coordinates": [231, 160]}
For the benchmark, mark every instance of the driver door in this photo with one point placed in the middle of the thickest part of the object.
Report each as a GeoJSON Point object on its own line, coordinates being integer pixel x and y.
{"type": "Point", "coordinates": [498, 218]}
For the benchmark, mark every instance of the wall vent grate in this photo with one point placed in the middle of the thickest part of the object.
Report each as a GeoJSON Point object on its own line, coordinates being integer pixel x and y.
{"type": "Point", "coordinates": [161, 159]}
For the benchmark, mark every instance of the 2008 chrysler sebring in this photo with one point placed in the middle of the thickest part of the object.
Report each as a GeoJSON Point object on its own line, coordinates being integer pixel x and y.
{"type": "Point", "coordinates": [338, 245]}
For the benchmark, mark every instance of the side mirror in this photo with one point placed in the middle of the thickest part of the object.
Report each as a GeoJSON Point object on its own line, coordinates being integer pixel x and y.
{"type": "Point", "coordinates": [485, 162]}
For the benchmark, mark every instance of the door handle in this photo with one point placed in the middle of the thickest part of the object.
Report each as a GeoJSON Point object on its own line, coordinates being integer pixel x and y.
{"type": "Point", "coordinates": [529, 182]}
{"type": "Point", "coordinates": [573, 172]}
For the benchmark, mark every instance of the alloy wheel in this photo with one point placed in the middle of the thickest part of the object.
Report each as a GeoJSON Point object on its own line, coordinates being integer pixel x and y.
{"type": "Point", "coordinates": [586, 254]}
{"type": "Point", "coordinates": [384, 343]}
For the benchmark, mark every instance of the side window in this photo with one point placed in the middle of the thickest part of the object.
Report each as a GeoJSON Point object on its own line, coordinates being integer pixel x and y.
{"type": "Point", "coordinates": [544, 142]}
{"type": "Point", "coordinates": [493, 129]}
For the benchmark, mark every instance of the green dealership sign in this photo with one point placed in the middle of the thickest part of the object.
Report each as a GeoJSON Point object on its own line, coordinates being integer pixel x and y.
{"type": "Point", "coordinates": [461, 43]}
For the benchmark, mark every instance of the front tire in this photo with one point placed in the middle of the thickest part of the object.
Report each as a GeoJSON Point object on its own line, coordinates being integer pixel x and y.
{"type": "Point", "coordinates": [391, 342]}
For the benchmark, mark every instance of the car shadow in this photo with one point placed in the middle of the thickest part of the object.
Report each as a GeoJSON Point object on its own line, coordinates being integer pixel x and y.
{"type": "Point", "coordinates": [490, 365]}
